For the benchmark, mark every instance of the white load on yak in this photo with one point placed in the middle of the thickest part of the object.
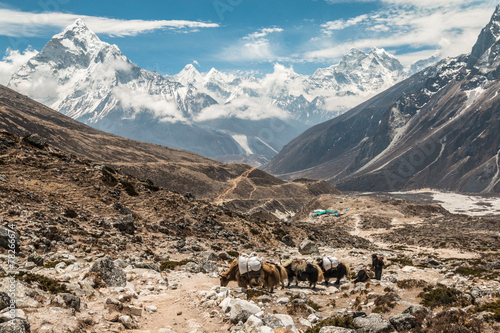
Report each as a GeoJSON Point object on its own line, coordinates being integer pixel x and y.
{"type": "Point", "coordinates": [330, 262]}
{"type": "Point", "coordinates": [249, 264]}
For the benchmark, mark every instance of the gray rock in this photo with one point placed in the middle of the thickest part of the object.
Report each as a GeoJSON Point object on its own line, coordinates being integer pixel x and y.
{"type": "Point", "coordinates": [71, 301]}
{"type": "Point", "coordinates": [417, 308]}
{"type": "Point", "coordinates": [17, 325]}
{"type": "Point", "coordinates": [307, 246]}
{"type": "Point", "coordinates": [279, 321]}
{"type": "Point", "coordinates": [112, 275]}
{"type": "Point", "coordinates": [208, 266]}
{"type": "Point", "coordinates": [36, 258]}
{"type": "Point", "coordinates": [253, 324]}
{"type": "Point", "coordinates": [288, 240]}
{"type": "Point", "coordinates": [403, 322]}
{"type": "Point", "coordinates": [6, 235]}
{"type": "Point", "coordinates": [36, 140]}
{"type": "Point", "coordinates": [125, 224]}
{"type": "Point", "coordinates": [4, 300]}
{"type": "Point", "coordinates": [242, 310]}
{"type": "Point", "coordinates": [335, 329]}
{"type": "Point", "coordinates": [209, 255]}
{"type": "Point", "coordinates": [373, 323]}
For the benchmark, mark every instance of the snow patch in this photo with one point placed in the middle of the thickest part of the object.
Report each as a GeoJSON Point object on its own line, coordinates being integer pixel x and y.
{"type": "Point", "coordinates": [242, 140]}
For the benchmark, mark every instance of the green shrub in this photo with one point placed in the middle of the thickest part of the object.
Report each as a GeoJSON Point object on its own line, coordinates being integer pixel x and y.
{"type": "Point", "coordinates": [52, 264]}
{"type": "Point", "coordinates": [68, 212]}
{"type": "Point", "coordinates": [490, 307]}
{"type": "Point", "coordinates": [173, 264]}
{"type": "Point", "coordinates": [233, 254]}
{"type": "Point", "coordinates": [346, 322]}
{"type": "Point", "coordinates": [411, 284]}
{"type": "Point", "coordinates": [454, 321]}
{"type": "Point", "coordinates": [215, 247]}
{"type": "Point", "coordinates": [44, 283]}
{"type": "Point", "coordinates": [129, 188]}
{"type": "Point", "coordinates": [385, 303]}
{"type": "Point", "coordinates": [433, 297]}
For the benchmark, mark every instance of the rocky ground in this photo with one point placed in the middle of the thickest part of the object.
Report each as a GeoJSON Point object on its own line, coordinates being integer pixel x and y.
{"type": "Point", "coordinates": [100, 251]}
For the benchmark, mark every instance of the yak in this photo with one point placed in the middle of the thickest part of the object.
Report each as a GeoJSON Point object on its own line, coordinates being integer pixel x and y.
{"type": "Point", "coordinates": [337, 272]}
{"type": "Point", "coordinates": [283, 273]}
{"type": "Point", "coordinates": [267, 277]}
{"type": "Point", "coordinates": [300, 270]}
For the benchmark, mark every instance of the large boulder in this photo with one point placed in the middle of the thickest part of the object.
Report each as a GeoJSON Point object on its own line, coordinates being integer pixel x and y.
{"type": "Point", "coordinates": [242, 310]}
{"type": "Point", "coordinates": [373, 323]}
{"type": "Point", "coordinates": [403, 322]}
{"type": "Point", "coordinates": [6, 235]}
{"type": "Point", "coordinates": [112, 275]}
{"type": "Point", "coordinates": [125, 224]}
{"type": "Point", "coordinates": [307, 246]}
{"type": "Point", "coordinates": [4, 300]}
{"type": "Point", "coordinates": [279, 321]}
{"type": "Point", "coordinates": [16, 325]}
{"type": "Point", "coordinates": [335, 329]}
{"type": "Point", "coordinates": [36, 140]}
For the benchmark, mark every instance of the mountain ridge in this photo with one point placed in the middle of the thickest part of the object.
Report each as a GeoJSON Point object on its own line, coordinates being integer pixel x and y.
{"type": "Point", "coordinates": [435, 129]}
{"type": "Point", "coordinates": [94, 82]}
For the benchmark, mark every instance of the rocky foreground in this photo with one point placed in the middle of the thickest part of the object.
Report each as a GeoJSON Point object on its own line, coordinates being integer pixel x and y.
{"type": "Point", "coordinates": [99, 251]}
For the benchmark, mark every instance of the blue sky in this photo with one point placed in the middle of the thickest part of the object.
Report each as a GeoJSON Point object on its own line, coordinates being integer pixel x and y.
{"type": "Point", "coordinates": [248, 36]}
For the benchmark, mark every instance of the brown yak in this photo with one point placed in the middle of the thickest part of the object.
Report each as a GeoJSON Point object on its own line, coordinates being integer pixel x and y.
{"type": "Point", "coordinates": [283, 274]}
{"type": "Point", "coordinates": [269, 277]}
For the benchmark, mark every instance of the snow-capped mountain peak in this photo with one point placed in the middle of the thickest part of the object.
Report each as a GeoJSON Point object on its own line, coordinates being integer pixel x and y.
{"type": "Point", "coordinates": [77, 38]}
{"type": "Point", "coordinates": [188, 75]}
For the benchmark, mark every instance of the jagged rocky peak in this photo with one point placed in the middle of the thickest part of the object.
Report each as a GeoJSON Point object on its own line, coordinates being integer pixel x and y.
{"type": "Point", "coordinates": [487, 42]}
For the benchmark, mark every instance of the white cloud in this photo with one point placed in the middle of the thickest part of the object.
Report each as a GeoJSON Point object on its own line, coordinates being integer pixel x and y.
{"type": "Point", "coordinates": [253, 47]}
{"type": "Point", "coordinates": [140, 101]}
{"type": "Point", "coordinates": [11, 61]}
{"type": "Point", "coordinates": [449, 27]}
{"type": "Point", "coordinates": [262, 33]}
{"type": "Point", "coordinates": [251, 108]}
{"type": "Point", "coordinates": [331, 26]}
{"type": "Point", "coordinates": [16, 23]}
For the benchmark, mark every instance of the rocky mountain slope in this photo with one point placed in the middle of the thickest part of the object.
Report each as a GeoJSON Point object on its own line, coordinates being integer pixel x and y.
{"type": "Point", "coordinates": [436, 129]}
{"type": "Point", "coordinates": [240, 186]}
{"type": "Point", "coordinates": [217, 115]}
{"type": "Point", "coordinates": [100, 251]}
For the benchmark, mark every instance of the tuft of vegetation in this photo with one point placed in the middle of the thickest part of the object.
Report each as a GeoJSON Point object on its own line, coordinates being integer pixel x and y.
{"type": "Point", "coordinates": [43, 282]}
{"type": "Point", "coordinates": [68, 212]}
{"type": "Point", "coordinates": [411, 284]}
{"type": "Point", "coordinates": [52, 264]}
{"type": "Point", "coordinates": [346, 322]}
{"type": "Point", "coordinates": [233, 254]}
{"type": "Point", "coordinates": [108, 179]}
{"type": "Point", "coordinates": [452, 321]}
{"type": "Point", "coordinates": [254, 231]}
{"type": "Point", "coordinates": [170, 265]}
{"type": "Point", "coordinates": [215, 247]}
{"type": "Point", "coordinates": [401, 261]}
{"type": "Point", "coordinates": [314, 305]}
{"type": "Point", "coordinates": [442, 296]}
{"type": "Point", "coordinates": [471, 271]}
{"type": "Point", "coordinates": [279, 232]}
{"type": "Point", "coordinates": [493, 307]}
{"type": "Point", "coordinates": [254, 293]}
{"type": "Point", "coordinates": [298, 309]}
{"type": "Point", "coordinates": [129, 188]}
{"type": "Point", "coordinates": [385, 303]}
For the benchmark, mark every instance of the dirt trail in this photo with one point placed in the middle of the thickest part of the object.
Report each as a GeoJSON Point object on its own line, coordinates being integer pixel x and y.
{"type": "Point", "coordinates": [178, 309]}
{"type": "Point", "coordinates": [235, 182]}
